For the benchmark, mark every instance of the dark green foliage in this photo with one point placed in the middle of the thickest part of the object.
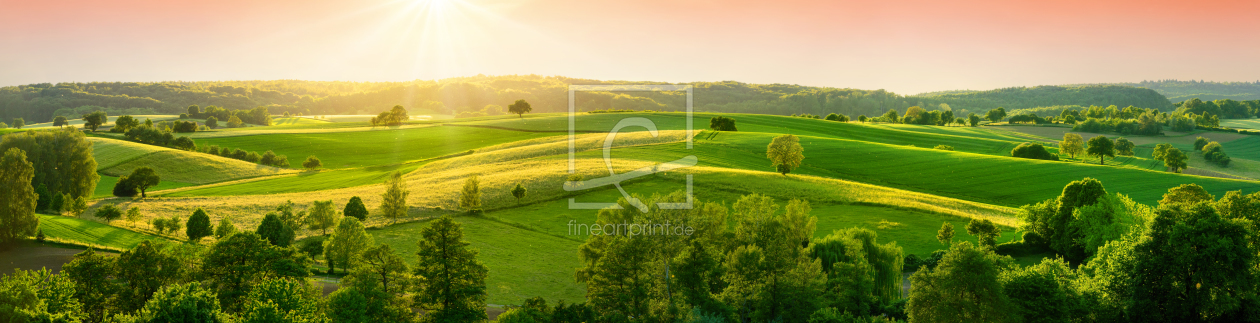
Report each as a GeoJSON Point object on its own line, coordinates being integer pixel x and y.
{"type": "Point", "coordinates": [356, 209]}
{"type": "Point", "coordinates": [456, 286]}
{"type": "Point", "coordinates": [1213, 152]}
{"type": "Point", "coordinates": [184, 126]}
{"type": "Point", "coordinates": [283, 300]}
{"type": "Point", "coordinates": [1093, 125]}
{"type": "Point", "coordinates": [94, 285]}
{"type": "Point", "coordinates": [124, 123]}
{"type": "Point", "coordinates": [1027, 118]}
{"type": "Point", "coordinates": [108, 212]}
{"type": "Point", "coordinates": [275, 230]}
{"type": "Point", "coordinates": [142, 179]}
{"type": "Point", "coordinates": [1188, 194]}
{"type": "Point", "coordinates": [212, 122]}
{"type": "Point", "coordinates": [94, 120]}
{"type": "Point", "coordinates": [142, 271]}
{"type": "Point", "coordinates": [995, 115]}
{"type": "Point", "coordinates": [1041, 293]}
{"type": "Point", "coordinates": [198, 226]}
{"type": "Point", "coordinates": [184, 143]}
{"type": "Point", "coordinates": [1101, 147]}
{"type": "Point", "coordinates": [837, 117]}
{"type": "Point", "coordinates": [60, 121]}
{"type": "Point", "coordinates": [234, 266]}
{"type": "Point", "coordinates": [182, 303]}
{"type": "Point", "coordinates": [312, 163]}
{"type": "Point", "coordinates": [721, 123]}
{"type": "Point", "coordinates": [312, 248]}
{"type": "Point", "coordinates": [964, 287]}
{"type": "Point", "coordinates": [125, 188]}
{"type": "Point", "coordinates": [43, 199]}
{"type": "Point", "coordinates": [518, 192]}
{"type": "Point", "coordinates": [62, 160]}
{"type": "Point", "coordinates": [1051, 220]}
{"type": "Point", "coordinates": [520, 108]}
{"type": "Point", "coordinates": [1033, 151]}
{"type": "Point", "coordinates": [1193, 266]}
{"type": "Point", "coordinates": [861, 274]}
{"type": "Point", "coordinates": [1124, 147]}
{"type": "Point", "coordinates": [38, 296]}
{"type": "Point", "coordinates": [1200, 142]}
{"type": "Point", "coordinates": [985, 230]}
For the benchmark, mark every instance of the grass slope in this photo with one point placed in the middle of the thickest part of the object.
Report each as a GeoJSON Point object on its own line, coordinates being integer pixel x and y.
{"type": "Point", "coordinates": [372, 148]}
{"type": "Point", "coordinates": [91, 233]}
{"type": "Point", "coordinates": [521, 263]}
{"type": "Point", "coordinates": [302, 182]}
{"type": "Point", "coordinates": [990, 179]}
{"type": "Point", "coordinates": [105, 188]}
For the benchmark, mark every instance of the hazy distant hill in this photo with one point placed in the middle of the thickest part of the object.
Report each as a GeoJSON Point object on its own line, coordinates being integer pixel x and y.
{"type": "Point", "coordinates": [490, 94]}
{"type": "Point", "coordinates": [1178, 91]}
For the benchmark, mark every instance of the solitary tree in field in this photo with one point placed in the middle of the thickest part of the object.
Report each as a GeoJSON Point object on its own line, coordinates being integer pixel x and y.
{"type": "Point", "coordinates": [198, 226]}
{"type": "Point", "coordinates": [355, 209]}
{"type": "Point", "coordinates": [18, 123]}
{"type": "Point", "coordinates": [134, 215]}
{"type": "Point", "coordinates": [394, 200]}
{"type": "Point", "coordinates": [1124, 147]}
{"type": "Point", "coordinates": [143, 178]}
{"type": "Point", "coordinates": [312, 163]}
{"type": "Point", "coordinates": [17, 211]}
{"type": "Point", "coordinates": [973, 119]}
{"type": "Point", "coordinates": [322, 217]}
{"type": "Point", "coordinates": [946, 234]}
{"type": "Point", "coordinates": [518, 192]}
{"type": "Point", "coordinates": [470, 195]}
{"type": "Point", "coordinates": [785, 153]}
{"type": "Point", "coordinates": [1072, 144]}
{"type": "Point", "coordinates": [109, 212]}
{"type": "Point", "coordinates": [212, 122]}
{"type": "Point", "coordinates": [1175, 159]}
{"type": "Point", "coordinates": [60, 121]}
{"type": "Point", "coordinates": [520, 108]}
{"type": "Point", "coordinates": [346, 243]}
{"type": "Point", "coordinates": [235, 122]}
{"type": "Point", "coordinates": [224, 229]}
{"type": "Point", "coordinates": [1102, 147]}
{"type": "Point", "coordinates": [862, 118]}
{"type": "Point", "coordinates": [95, 120]}
{"type": "Point", "coordinates": [455, 288]}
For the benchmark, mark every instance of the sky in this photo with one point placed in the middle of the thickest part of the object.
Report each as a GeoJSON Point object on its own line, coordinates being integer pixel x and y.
{"type": "Point", "coordinates": [904, 46]}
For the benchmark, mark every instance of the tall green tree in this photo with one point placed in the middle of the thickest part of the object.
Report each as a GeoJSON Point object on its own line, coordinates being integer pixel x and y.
{"type": "Point", "coordinates": [94, 120]}
{"type": "Point", "coordinates": [769, 272]}
{"type": "Point", "coordinates": [964, 287]}
{"type": "Point", "coordinates": [454, 284]}
{"type": "Point", "coordinates": [322, 217]}
{"type": "Point", "coordinates": [1101, 147]}
{"type": "Point", "coordinates": [518, 192]}
{"type": "Point", "coordinates": [347, 242]}
{"type": "Point", "coordinates": [1175, 160]}
{"type": "Point", "coordinates": [198, 226]}
{"type": "Point", "coordinates": [143, 178]}
{"type": "Point", "coordinates": [275, 230]}
{"type": "Point", "coordinates": [520, 108]}
{"type": "Point", "coordinates": [62, 159]}
{"type": "Point", "coordinates": [946, 234]}
{"type": "Point", "coordinates": [470, 195]}
{"type": "Point", "coordinates": [785, 153]}
{"type": "Point", "coordinates": [182, 303]}
{"type": "Point", "coordinates": [1124, 147]}
{"type": "Point", "coordinates": [224, 229]}
{"type": "Point", "coordinates": [17, 198]}
{"type": "Point", "coordinates": [92, 275]}
{"type": "Point", "coordinates": [1072, 144]}
{"type": "Point", "coordinates": [355, 209]}
{"type": "Point", "coordinates": [108, 212]}
{"type": "Point", "coordinates": [985, 230]}
{"type": "Point", "coordinates": [233, 266]}
{"type": "Point", "coordinates": [142, 271]}
{"type": "Point", "coordinates": [60, 121]}
{"type": "Point", "coordinates": [394, 200]}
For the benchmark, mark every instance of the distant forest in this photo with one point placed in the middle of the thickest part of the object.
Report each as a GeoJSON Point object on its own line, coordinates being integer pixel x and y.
{"type": "Point", "coordinates": [490, 94]}
{"type": "Point", "coordinates": [1178, 91]}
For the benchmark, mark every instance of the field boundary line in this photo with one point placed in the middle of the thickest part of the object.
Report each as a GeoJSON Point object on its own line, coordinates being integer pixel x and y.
{"type": "Point", "coordinates": [517, 129]}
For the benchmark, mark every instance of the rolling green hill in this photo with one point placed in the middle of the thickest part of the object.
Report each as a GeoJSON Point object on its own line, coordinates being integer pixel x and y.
{"type": "Point", "coordinates": [78, 231]}
{"type": "Point", "coordinates": [118, 158]}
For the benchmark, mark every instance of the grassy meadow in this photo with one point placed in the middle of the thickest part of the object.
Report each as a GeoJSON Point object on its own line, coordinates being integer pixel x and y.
{"type": "Point", "coordinates": [883, 177]}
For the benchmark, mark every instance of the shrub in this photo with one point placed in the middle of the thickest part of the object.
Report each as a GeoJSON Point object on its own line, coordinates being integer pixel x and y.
{"type": "Point", "coordinates": [945, 147]}
{"type": "Point", "coordinates": [184, 126]}
{"type": "Point", "coordinates": [1200, 142]}
{"type": "Point", "coordinates": [312, 163]}
{"type": "Point", "coordinates": [184, 143]}
{"type": "Point", "coordinates": [1033, 151]}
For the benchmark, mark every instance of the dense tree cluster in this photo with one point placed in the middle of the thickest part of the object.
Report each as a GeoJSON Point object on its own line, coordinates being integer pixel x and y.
{"type": "Point", "coordinates": [1033, 151]}
{"type": "Point", "coordinates": [62, 159]}
{"type": "Point", "coordinates": [258, 116]}
{"type": "Point", "coordinates": [721, 123]}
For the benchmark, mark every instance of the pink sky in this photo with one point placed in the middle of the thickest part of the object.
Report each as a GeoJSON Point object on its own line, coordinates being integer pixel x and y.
{"type": "Point", "coordinates": [903, 46]}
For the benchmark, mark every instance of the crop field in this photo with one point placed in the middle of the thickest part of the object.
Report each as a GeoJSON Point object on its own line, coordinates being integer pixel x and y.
{"type": "Point", "coordinates": [284, 121]}
{"type": "Point", "coordinates": [1241, 123]}
{"type": "Point", "coordinates": [338, 150]}
{"type": "Point", "coordinates": [86, 232]}
{"type": "Point", "coordinates": [302, 182]}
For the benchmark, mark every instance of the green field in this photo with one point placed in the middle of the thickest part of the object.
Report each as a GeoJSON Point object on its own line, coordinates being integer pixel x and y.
{"type": "Point", "coordinates": [87, 232]}
{"type": "Point", "coordinates": [372, 148]}
{"type": "Point", "coordinates": [1241, 123]}
{"type": "Point", "coordinates": [303, 182]}
{"type": "Point", "coordinates": [105, 188]}
{"type": "Point", "coordinates": [284, 121]}
{"type": "Point", "coordinates": [522, 263]}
